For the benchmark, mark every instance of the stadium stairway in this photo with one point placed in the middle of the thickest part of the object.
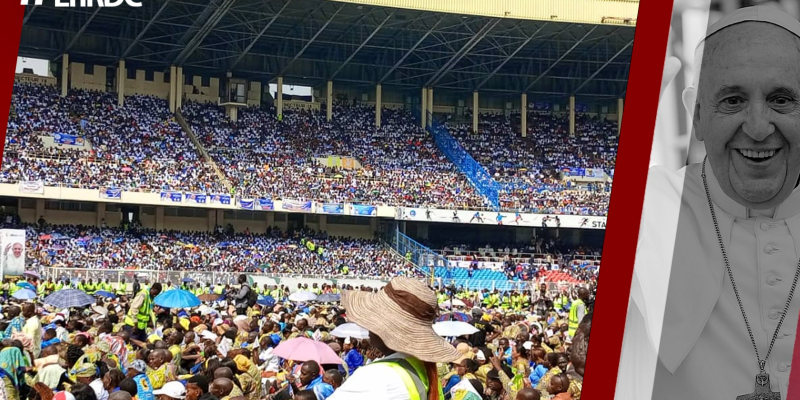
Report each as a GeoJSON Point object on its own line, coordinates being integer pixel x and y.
{"type": "Point", "coordinates": [210, 161]}
{"type": "Point", "coordinates": [476, 174]}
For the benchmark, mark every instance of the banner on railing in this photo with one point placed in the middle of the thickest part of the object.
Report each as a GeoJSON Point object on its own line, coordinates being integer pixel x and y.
{"type": "Point", "coordinates": [197, 198]}
{"type": "Point", "coordinates": [74, 140]}
{"type": "Point", "coordinates": [331, 208]}
{"type": "Point", "coordinates": [36, 187]}
{"type": "Point", "coordinates": [111, 193]}
{"type": "Point", "coordinates": [502, 218]}
{"type": "Point", "coordinates": [266, 204]}
{"type": "Point", "coordinates": [246, 204]}
{"type": "Point", "coordinates": [362, 209]}
{"type": "Point", "coordinates": [172, 196]}
{"type": "Point", "coordinates": [220, 199]}
{"type": "Point", "coordinates": [594, 173]}
{"type": "Point", "coordinates": [294, 205]}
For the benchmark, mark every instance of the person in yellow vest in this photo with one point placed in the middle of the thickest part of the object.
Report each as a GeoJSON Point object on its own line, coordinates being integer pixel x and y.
{"type": "Point", "coordinates": [169, 287]}
{"type": "Point", "coordinates": [219, 289]}
{"type": "Point", "coordinates": [407, 340]}
{"type": "Point", "coordinates": [505, 304]}
{"type": "Point", "coordinates": [561, 301]}
{"type": "Point", "coordinates": [90, 287]}
{"type": "Point", "coordinates": [577, 311]}
{"type": "Point", "coordinates": [59, 285]}
{"type": "Point", "coordinates": [122, 288]}
{"type": "Point", "coordinates": [41, 289]}
{"type": "Point", "coordinates": [315, 289]}
{"type": "Point", "coordinates": [50, 286]}
{"type": "Point", "coordinates": [140, 315]}
{"type": "Point", "coordinates": [107, 286]}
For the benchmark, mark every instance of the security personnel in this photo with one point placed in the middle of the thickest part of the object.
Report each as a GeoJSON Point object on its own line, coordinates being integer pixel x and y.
{"type": "Point", "coordinates": [107, 286]}
{"type": "Point", "coordinates": [90, 287]}
{"type": "Point", "coordinates": [59, 285]}
{"type": "Point", "coordinates": [122, 288]}
{"type": "Point", "coordinates": [140, 314]}
{"type": "Point", "coordinates": [577, 311]}
{"type": "Point", "coordinates": [50, 286]}
{"type": "Point", "coordinates": [82, 286]}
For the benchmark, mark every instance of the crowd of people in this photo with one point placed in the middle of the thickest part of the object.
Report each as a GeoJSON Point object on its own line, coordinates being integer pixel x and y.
{"type": "Point", "coordinates": [528, 169]}
{"type": "Point", "coordinates": [141, 147]}
{"type": "Point", "coordinates": [230, 347]}
{"type": "Point", "coordinates": [399, 164]}
{"type": "Point", "coordinates": [136, 147]}
{"type": "Point", "coordinates": [277, 252]}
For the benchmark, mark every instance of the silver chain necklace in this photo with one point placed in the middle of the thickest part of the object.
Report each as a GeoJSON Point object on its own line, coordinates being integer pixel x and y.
{"type": "Point", "coordinates": [762, 385]}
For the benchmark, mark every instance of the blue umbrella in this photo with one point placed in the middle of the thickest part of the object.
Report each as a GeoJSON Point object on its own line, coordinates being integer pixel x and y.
{"type": "Point", "coordinates": [328, 298]}
{"type": "Point", "coordinates": [187, 279]}
{"type": "Point", "coordinates": [26, 285]}
{"type": "Point", "coordinates": [105, 294]}
{"type": "Point", "coordinates": [266, 301]}
{"type": "Point", "coordinates": [24, 294]}
{"type": "Point", "coordinates": [176, 298]}
{"type": "Point", "coordinates": [68, 298]}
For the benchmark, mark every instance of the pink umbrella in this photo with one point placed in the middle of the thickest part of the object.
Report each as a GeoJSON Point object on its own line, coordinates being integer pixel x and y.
{"type": "Point", "coordinates": [303, 349]}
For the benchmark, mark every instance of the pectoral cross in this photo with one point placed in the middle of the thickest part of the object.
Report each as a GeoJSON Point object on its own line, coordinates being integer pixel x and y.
{"type": "Point", "coordinates": [762, 390]}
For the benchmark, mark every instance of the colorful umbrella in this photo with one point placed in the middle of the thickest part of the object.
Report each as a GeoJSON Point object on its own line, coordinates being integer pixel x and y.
{"type": "Point", "coordinates": [176, 298]}
{"type": "Point", "coordinates": [68, 298]}
{"type": "Point", "coordinates": [105, 294]}
{"type": "Point", "coordinates": [26, 285]}
{"type": "Point", "coordinates": [455, 316]}
{"type": "Point", "coordinates": [24, 294]}
{"type": "Point", "coordinates": [33, 274]}
{"type": "Point", "coordinates": [304, 349]}
{"type": "Point", "coordinates": [266, 301]}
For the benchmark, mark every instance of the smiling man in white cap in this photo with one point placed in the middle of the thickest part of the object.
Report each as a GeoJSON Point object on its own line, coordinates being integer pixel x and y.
{"type": "Point", "coordinates": [711, 312]}
{"type": "Point", "coordinates": [400, 321]}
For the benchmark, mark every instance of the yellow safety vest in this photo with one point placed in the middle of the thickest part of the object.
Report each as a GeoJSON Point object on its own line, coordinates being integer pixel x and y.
{"type": "Point", "coordinates": [122, 288]}
{"type": "Point", "coordinates": [573, 317]}
{"type": "Point", "coordinates": [143, 316]}
{"type": "Point", "coordinates": [412, 372]}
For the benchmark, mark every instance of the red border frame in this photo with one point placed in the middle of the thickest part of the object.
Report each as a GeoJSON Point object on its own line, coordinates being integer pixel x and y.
{"type": "Point", "coordinates": [11, 29]}
{"type": "Point", "coordinates": [630, 176]}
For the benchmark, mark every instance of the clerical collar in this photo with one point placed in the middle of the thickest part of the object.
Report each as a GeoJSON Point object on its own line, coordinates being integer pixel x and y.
{"type": "Point", "coordinates": [789, 208]}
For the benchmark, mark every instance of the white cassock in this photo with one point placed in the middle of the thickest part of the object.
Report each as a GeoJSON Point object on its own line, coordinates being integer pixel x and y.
{"type": "Point", "coordinates": [14, 265]}
{"type": "Point", "coordinates": [684, 335]}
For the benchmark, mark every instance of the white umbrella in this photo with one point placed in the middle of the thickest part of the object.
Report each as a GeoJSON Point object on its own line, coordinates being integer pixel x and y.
{"type": "Point", "coordinates": [302, 296]}
{"type": "Point", "coordinates": [453, 328]}
{"type": "Point", "coordinates": [456, 303]}
{"type": "Point", "coordinates": [350, 330]}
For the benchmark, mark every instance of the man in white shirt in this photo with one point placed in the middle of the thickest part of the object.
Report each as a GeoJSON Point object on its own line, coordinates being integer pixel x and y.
{"type": "Point", "coordinates": [686, 334]}
{"type": "Point", "coordinates": [32, 327]}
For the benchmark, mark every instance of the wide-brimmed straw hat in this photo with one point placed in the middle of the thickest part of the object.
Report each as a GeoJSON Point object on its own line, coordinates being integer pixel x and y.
{"type": "Point", "coordinates": [402, 315]}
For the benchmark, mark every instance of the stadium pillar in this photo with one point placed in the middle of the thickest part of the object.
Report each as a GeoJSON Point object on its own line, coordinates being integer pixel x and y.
{"type": "Point", "coordinates": [378, 105]}
{"type": "Point", "coordinates": [178, 88]}
{"type": "Point", "coordinates": [173, 87]}
{"type": "Point", "coordinates": [572, 115]}
{"type": "Point", "coordinates": [271, 219]}
{"type": "Point", "coordinates": [64, 75]}
{"type": "Point", "coordinates": [121, 75]}
{"type": "Point", "coordinates": [329, 101]}
{"type": "Point", "coordinates": [430, 105]}
{"type": "Point", "coordinates": [159, 218]}
{"type": "Point", "coordinates": [475, 111]}
{"type": "Point", "coordinates": [323, 223]}
{"type": "Point", "coordinates": [39, 209]}
{"type": "Point", "coordinates": [620, 106]}
{"type": "Point", "coordinates": [279, 100]}
{"type": "Point", "coordinates": [101, 213]}
{"type": "Point", "coordinates": [523, 114]}
{"type": "Point", "coordinates": [423, 108]}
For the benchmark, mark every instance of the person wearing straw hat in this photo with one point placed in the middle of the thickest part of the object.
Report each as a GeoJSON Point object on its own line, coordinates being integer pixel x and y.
{"type": "Point", "coordinates": [400, 321]}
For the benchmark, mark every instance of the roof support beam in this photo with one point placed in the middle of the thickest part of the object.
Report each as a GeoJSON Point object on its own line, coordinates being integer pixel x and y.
{"type": "Point", "coordinates": [261, 33]}
{"type": "Point", "coordinates": [80, 32]}
{"type": "Point", "coordinates": [510, 56]}
{"type": "Point", "coordinates": [203, 32]}
{"type": "Point", "coordinates": [146, 28]}
{"type": "Point", "coordinates": [378, 28]}
{"type": "Point", "coordinates": [313, 38]}
{"type": "Point", "coordinates": [550, 68]}
{"type": "Point", "coordinates": [462, 52]}
{"type": "Point", "coordinates": [28, 15]}
{"type": "Point", "coordinates": [603, 67]}
{"type": "Point", "coordinates": [411, 50]}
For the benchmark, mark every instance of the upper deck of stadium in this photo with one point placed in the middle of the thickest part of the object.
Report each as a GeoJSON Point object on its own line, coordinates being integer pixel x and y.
{"type": "Point", "coordinates": [578, 48]}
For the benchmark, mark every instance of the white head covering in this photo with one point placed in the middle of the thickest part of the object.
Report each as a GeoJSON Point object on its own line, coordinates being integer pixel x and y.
{"type": "Point", "coordinates": [767, 14]}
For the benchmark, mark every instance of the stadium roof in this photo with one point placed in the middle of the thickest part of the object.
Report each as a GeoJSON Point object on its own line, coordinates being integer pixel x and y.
{"type": "Point", "coordinates": [312, 41]}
